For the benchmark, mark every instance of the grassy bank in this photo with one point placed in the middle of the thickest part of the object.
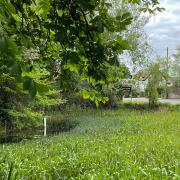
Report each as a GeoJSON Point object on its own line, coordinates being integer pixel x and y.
{"type": "Point", "coordinates": [118, 144]}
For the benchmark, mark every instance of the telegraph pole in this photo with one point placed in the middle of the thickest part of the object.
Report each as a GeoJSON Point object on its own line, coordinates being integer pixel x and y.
{"type": "Point", "coordinates": [167, 71]}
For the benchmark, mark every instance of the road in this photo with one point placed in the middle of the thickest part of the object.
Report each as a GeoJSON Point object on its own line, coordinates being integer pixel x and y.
{"type": "Point", "coordinates": [171, 101]}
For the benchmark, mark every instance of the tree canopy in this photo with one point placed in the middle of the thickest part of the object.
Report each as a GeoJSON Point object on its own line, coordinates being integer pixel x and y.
{"type": "Point", "coordinates": [69, 33]}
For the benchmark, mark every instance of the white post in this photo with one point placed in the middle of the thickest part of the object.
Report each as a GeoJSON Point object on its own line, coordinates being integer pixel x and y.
{"type": "Point", "coordinates": [45, 127]}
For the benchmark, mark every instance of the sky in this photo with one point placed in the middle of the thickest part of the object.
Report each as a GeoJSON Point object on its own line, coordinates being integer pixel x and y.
{"type": "Point", "coordinates": [163, 28]}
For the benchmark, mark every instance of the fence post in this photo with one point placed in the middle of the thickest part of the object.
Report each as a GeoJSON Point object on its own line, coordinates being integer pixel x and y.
{"type": "Point", "coordinates": [45, 126]}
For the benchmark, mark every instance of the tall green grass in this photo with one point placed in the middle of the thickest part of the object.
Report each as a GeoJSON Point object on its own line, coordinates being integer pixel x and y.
{"type": "Point", "coordinates": [118, 144]}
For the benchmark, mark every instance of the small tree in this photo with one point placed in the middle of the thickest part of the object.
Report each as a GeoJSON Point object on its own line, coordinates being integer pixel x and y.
{"type": "Point", "coordinates": [153, 84]}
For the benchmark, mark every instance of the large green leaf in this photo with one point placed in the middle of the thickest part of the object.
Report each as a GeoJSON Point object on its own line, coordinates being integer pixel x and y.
{"type": "Point", "coordinates": [43, 7]}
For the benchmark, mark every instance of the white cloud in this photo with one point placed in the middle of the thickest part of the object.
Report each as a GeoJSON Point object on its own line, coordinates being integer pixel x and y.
{"type": "Point", "coordinates": [164, 28]}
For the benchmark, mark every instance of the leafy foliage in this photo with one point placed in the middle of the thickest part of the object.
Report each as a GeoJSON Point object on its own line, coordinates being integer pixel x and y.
{"type": "Point", "coordinates": [17, 109]}
{"type": "Point", "coordinates": [153, 84]}
{"type": "Point", "coordinates": [70, 32]}
{"type": "Point", "coordinates": [44, 43]}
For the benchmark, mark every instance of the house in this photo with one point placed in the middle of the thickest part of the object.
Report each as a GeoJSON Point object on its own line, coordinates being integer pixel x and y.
{"type": "Point", "coordinates": [173, 87]}
{"type": "Point", "coordinates": [172, 84]}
